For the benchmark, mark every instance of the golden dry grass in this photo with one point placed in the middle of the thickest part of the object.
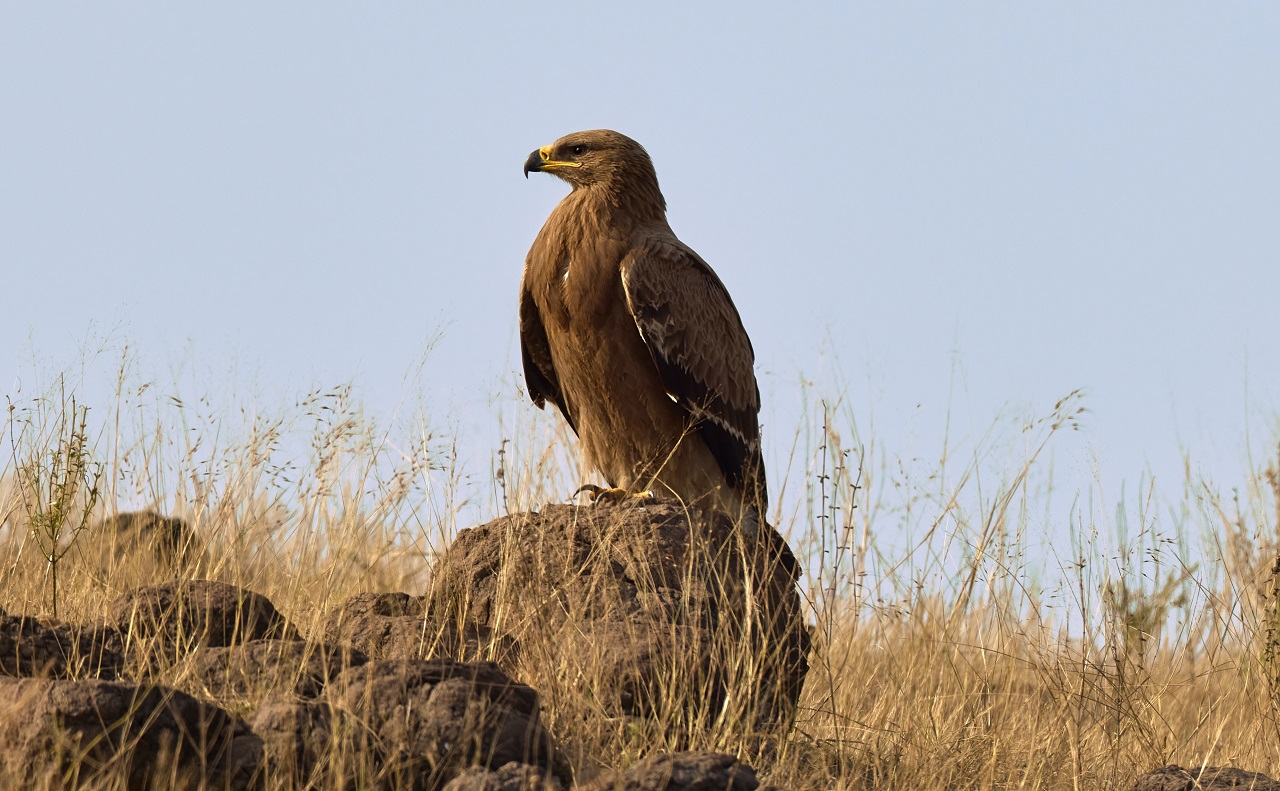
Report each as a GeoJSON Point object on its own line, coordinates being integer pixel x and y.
{"type": "Point", "coordinates": [952, 652]}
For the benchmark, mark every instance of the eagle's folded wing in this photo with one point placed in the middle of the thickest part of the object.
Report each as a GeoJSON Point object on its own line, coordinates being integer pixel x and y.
{"type": "Point", "coordinates": [535, 352]}
{"type": "Point", "coordinates": [703, 354]}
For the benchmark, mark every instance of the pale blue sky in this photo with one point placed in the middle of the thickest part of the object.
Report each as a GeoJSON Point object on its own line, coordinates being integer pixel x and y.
{"type": "Point", "coordinates": [1050, 196]}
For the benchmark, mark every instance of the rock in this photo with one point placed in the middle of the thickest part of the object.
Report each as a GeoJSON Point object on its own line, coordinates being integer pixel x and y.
{"type": "Point", "coordinates": [647, 605]}
{"type": "Point", "coordinates": [132, 533]}
{"type": "Point", "coordinates": [396, 626]}
{"type": "Point", "coordinates": [511, 777]}
{"type": "Point", "coordinates": [198, 613]}
{"type": "Point", "coordinates": [296, 739]}
{"type": "Point", "coordinates": [146, 735]}
{"type": "Point", "coordinates": [425, 721]}
{"type": "Point", "coordinates": [1210, 778]}
{"type": "Point", "coordinates": [629, 661]}
{"type": "Point", "coordinates": [413, 724]}
{"type": "Point", "coordinates": [692, 771]}
{"type": "Point", "coordinates": [291, 668]}
{"type": "Point", "coordinates": [29, 647]}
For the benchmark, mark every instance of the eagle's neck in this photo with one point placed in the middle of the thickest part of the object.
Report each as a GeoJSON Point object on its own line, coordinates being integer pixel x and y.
{"type": "Point", "coordinates": [629, 199]}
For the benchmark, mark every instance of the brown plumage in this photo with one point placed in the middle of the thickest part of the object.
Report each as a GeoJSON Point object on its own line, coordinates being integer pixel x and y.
{"type": "Point", "coordinates": [633, 336]}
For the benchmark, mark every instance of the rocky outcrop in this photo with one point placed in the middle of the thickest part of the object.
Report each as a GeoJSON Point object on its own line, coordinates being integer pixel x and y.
{"type": "Point", "coordinates": [324, 712]}
{"type": "Point", "coordinates": [647, 609]}
{"type": "Point", "coordinates": [649, 605]}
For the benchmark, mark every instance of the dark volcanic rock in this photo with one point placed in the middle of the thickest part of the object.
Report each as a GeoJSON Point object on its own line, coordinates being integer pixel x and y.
{"type": "Point", "coordinates": [198, 613]}
{"type": "Point", "coordinates": [1210, 778]}
{"type": "Point", "coordinates": [648, 605]}
{"type": "Point", "coordinates": [296, 738]}
{"type": "Point", "coordinates": [396, 626]}
{"type": "Point", "coordinates": [29, 647]}
{"type": "Point", "coordinates": [284, 667]}
{"type": "Point", "coordinates": [425, 721]}
{"type": "Point", "coordinates": [693, 771]}
{"type": "Point", "coordinates": [512, 777]}
{"type": "Point", "coordinates": [147, 735]}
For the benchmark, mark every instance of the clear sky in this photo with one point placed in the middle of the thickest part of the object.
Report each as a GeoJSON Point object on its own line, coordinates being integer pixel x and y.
{"type": "Point", "coordinates": [1034, 196]}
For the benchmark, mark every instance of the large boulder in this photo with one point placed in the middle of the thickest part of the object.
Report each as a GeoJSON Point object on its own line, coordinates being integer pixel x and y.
{"type": "Point", "coordinates": [691, 771]}
{"type": "Point", "coordinates": [1208, 778]}
{"type": "Point", "coordinates": [398, 626]}
{"type": "Point", "coordinates": [29, 647]}
{"type": "Point", "coordinates": [651, 606]}
{"type": "Point", "coordinates": [187, 614]}
{"type": "Point", "coordinates": [422, 722]}
{"type": "Point", "coordinates": [147, 736]}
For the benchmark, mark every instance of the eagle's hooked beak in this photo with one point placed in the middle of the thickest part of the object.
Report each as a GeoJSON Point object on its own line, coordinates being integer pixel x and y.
{"type": "Point", "coordinates": [534, 163]}
{"type": "Point", "coordinates": [541, 160]}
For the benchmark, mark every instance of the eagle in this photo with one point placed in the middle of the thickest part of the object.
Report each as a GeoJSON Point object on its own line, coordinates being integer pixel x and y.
{"type": "Point", "coordinates": [635, 339]}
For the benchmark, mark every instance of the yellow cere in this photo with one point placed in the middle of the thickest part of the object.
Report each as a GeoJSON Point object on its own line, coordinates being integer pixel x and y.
{"type": "Point", "coordinates": [548, 162]}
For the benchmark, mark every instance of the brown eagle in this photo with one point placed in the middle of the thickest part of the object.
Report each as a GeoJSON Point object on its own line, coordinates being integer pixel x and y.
{"type": "Point", "coordinates": [635, 339]}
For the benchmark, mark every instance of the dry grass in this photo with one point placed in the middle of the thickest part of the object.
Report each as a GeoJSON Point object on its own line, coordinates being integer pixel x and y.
{"type": "Point", "coordinates": [953, 651]}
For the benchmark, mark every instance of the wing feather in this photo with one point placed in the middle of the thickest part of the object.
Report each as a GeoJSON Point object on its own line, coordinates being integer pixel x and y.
{"type": "Point", "coordinates": [703, 354]}
{"type": "Point", "coordinates": [535, 352]}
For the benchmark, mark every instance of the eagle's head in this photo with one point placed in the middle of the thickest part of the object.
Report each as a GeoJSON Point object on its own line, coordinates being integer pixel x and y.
{"type": "Point", "coordinates": [597, 156]}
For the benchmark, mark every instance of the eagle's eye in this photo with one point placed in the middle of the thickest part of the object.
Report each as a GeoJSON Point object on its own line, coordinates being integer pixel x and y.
{"type": "Point", "coordinates": [577, 150]}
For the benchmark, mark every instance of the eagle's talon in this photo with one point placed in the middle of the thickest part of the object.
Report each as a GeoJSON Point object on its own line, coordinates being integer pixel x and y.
{"type": "Point", "coordinates": [591, 489]}
{"type": "Point", "coordinates": [599, 494]}
{"type": "Point", "coordinates": [613, 496]}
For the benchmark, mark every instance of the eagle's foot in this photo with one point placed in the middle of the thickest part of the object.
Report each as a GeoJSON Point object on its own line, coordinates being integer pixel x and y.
{"type": "Point", "coordinates": [599, 494]}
